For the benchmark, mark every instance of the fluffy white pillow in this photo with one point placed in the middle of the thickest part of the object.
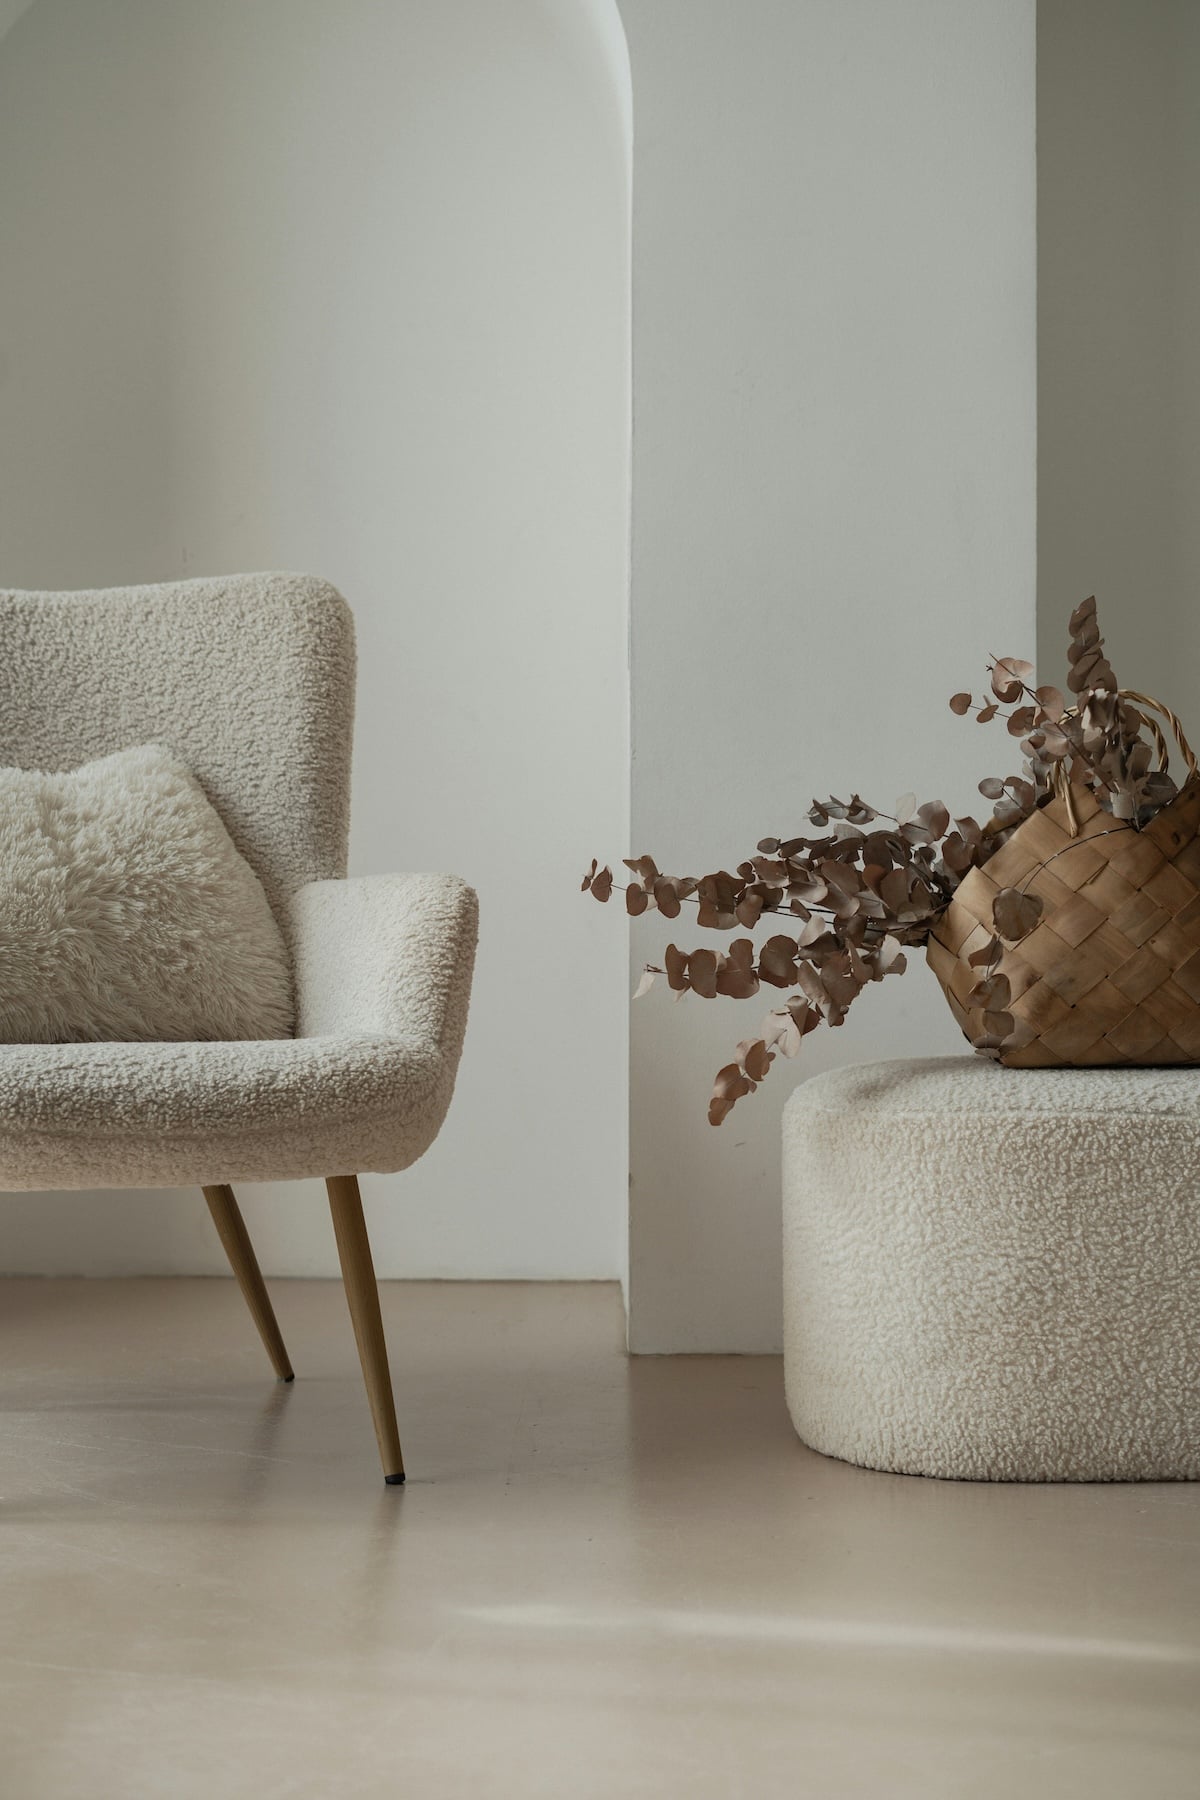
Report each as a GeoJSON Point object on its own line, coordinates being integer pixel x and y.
{"type": "Point", "coordinates": [126, 912]}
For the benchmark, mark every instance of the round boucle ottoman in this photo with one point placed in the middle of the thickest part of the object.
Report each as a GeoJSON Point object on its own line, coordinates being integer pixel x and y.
{"type": "Point", "coordinates": [994, 1274]}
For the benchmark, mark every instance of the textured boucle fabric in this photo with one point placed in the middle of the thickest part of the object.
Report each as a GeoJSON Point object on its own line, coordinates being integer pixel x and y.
{"type": "Point", "coordinates": [126, 912]}
{"type": "Point", "coordinates": [383, 970]}
{"type": "Point", "coordinates": [248, 678]}
{"type": "Point", "coordinates": [994, 1274]}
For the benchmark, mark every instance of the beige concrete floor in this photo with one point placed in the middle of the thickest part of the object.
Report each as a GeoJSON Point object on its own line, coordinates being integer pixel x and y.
{"type": "Point", "coordinates": [605, 1577]}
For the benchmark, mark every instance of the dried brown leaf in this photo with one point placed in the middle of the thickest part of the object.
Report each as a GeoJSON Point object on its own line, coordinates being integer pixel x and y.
{"type": "Point", "coordinates": [889, 958]}
{"type": "Point", "coordinates": [992, 993]}
{"type": "Point", "coordinates": [748, 910]}
{"type": "Point", "coordinates": [979, 959]}
{"type": "Point", "coordinates": [893, 891]}
{"type": "Point", "coordinates": [718, 894]}
{"type": "Point", "coordinates": [736, 976]}
{"type": "Point", "coordinates": [702, 973]}
{"type": "Point", "coordinates": [935, 817]}
{"type": "Point", "coordinates": [647, 981]}
{"type": "Point", "coordinates": [957, 854]}
{"type": "Point", "coordinates": [665, 898]}
{"type": "Point", "coordinates": [1055, 743]}
{"type": "Point", "coordinates": [1009, 676]}
{"type": "Point", "coordinates": [1083, 616]}
{"type": "Point", "coordinates": [713, 919]}
{"type": "Point", "coordinates": [756, 1059]}
{"type": "Point", "coordinates": [1015, 914]}
{"type": "Point", "coordinates": [786, 1029]}
{"type": "Point", "coordinates": [1090, 668]}
{"type": "Point", "coordinates": [777, 961]}
{"type": "Point", "coordinates": [677, 963]}
{"type": "Point", "coordinates": [728, 1089]}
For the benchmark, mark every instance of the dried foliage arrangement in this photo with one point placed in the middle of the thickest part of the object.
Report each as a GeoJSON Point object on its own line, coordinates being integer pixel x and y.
{"type": "Point", "coordinates": [867, 886]}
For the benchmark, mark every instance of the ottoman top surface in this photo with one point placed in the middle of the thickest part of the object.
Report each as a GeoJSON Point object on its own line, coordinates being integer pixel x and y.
{"type": "Point", "coordinates": [942, 1085]}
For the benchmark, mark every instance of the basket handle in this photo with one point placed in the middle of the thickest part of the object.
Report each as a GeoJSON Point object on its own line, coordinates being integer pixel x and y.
{"type": "Point", "coordinates": [1062, 781]}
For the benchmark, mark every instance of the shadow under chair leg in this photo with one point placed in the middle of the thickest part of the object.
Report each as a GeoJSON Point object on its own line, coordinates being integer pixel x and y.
{"type": "Point", "coordinates": [231, 1228]}
{"type": "Point", "coordinates": [362, 1295]}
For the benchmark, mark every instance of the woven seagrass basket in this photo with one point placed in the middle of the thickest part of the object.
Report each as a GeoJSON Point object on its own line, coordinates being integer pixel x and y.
{"type": "Point", "coordinates": [1111, 971]}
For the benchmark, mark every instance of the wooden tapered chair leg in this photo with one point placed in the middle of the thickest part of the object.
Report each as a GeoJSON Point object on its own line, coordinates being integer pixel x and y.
{"type": "Point", "coordinates": [362, 1295]}
{"type": "Point", "coordinates": [231, 1228]}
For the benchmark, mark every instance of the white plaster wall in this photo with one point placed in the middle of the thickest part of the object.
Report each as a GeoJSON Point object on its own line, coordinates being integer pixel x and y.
{"type": "Point", "coordinates": [833, 519]}
{"type": "Point", "coordinates": [1182, 683]}
{"type": "Point", "coordinates": [1119, 363]}
{"type": "Point", "coordinates": [833, 500]}
{"type": "Point", "coordinates": [10, 12]}
{"type": "Point", "coordinates": [334, 285]}
{"type": "Point", "coordinates": [1108, 212]}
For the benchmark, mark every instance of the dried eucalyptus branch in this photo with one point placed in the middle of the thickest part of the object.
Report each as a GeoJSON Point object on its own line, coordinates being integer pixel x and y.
{"type": "Point", "coordinates": [1103, 741]}
{"type": "Point", "coordinates": [868, 883]}
{"type": "Point", "coordinates": [859, 892]}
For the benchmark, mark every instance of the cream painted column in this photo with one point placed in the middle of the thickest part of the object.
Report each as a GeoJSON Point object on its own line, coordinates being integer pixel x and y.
{"type": "Point", "coordinates": [833, 516]}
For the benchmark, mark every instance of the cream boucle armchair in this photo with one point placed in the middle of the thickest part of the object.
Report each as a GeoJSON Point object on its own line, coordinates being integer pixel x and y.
{"type": "Point", "coordinates": [250, 679]}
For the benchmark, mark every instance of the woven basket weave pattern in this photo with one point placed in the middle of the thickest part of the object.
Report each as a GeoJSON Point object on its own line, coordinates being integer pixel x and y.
{"type": "Point", "coordinates": [1111, 972]}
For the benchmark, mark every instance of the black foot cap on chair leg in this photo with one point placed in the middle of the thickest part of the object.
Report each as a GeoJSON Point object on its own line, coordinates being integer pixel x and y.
{"type": "Point", "coordinates": [286, 1378]}
{"type": "Point", "coordinates": [395, 1480]}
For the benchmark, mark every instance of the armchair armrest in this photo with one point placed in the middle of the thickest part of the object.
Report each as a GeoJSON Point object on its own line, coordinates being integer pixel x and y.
{"type": "Point", "coordinates": [385, 956]}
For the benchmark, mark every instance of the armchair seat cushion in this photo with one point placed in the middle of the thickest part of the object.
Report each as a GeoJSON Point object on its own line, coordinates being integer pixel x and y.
{"type": "Point", "coordinates": [383, 974]}
{"type": "Point", "coordinates": [175, 1114]}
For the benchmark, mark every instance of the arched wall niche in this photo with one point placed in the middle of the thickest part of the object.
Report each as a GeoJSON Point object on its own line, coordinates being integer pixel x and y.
{"type": "Point", "coordinates": [299, 285]}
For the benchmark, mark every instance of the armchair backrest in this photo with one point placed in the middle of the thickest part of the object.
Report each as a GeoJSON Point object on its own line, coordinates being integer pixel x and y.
{"type": "Point", "coordinates": [249, 678]}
